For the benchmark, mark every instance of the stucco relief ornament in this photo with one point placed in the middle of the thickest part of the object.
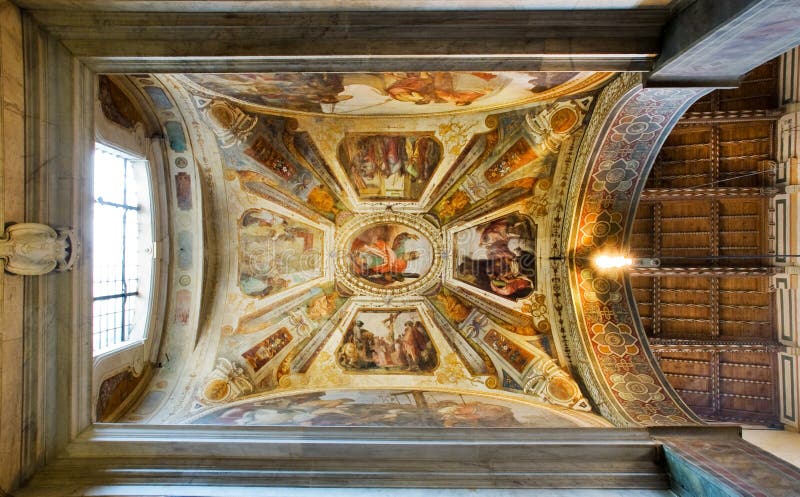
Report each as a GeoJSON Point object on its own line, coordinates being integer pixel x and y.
{"type": "Point", "coordinates": [31, 249]}
{"type": "Point", "coordinates": [536, 307]}
{"type": "Point", "coordinates": [545, 380]}
{"type": "Point", "coordinates": [231, 125]}
{"type": "Point", "coordinates": [451, 372]}
{"type": "Point", "coordinates": [227, 382]}
{"type": "Point", "coordinates": [556, 123]}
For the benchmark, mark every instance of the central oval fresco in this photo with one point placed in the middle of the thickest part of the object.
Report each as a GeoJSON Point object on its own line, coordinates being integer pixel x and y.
{"type": "Point", "coordinates": [389, 253]}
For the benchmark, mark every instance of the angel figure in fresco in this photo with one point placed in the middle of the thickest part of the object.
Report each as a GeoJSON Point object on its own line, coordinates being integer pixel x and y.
{"type": "Point", "coordinates": [382, 263]}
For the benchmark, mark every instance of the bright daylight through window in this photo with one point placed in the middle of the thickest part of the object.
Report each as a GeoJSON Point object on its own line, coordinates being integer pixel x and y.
{"type": "Point", "coordinates": [121, 262]}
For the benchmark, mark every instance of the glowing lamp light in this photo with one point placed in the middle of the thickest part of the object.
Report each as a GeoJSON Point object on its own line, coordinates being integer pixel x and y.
{"type": "Point", "coordinates": [612, 261]}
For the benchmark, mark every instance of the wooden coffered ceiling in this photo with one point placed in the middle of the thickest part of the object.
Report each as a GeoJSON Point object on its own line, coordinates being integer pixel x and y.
{"type": "Point", "coordinates": [708, 311]}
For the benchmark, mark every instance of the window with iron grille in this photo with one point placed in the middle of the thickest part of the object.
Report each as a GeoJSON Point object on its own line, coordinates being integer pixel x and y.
{"type": "Point", "coordinates": [118, 196]}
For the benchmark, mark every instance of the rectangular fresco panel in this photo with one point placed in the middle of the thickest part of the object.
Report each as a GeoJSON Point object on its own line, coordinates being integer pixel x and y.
{"type": "Point", "coordinates": [262, 352]}
{"type": "Point", "coordinates": [183, 303]}
{"type": "Point", "coordinates": [390, 341]}
{"type": "Point", "coordinates": [265, 154]}
{"type": "Point", "coordinates": [276, 253]}
{"type": "Point", "coordinates": [177, 139]}
{"type": "Point", "coordinates": [390, 166]}
{"type": "Point", "coordinates": [513, 354]}
{"type": "Point", "coordinates": [158, 97]}
{"type": "Point", "coordinates": [183, 191]}
{"type": "Point", "coordinates": [517, 156]}
{"type": "Point", "coordinates": [498, 256]}
{"type": "Point", "coordinates": [184, 249]}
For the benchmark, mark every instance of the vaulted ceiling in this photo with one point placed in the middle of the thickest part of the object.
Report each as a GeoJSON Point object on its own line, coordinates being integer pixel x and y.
{"type": "Point", "coordinates": [352, 244]}
{"type": "Point", "coordinates": [385, 236]}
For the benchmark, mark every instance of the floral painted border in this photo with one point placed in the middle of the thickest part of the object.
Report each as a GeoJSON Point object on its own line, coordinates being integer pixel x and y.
{"type": "Point", "coordinates": [606, 192]}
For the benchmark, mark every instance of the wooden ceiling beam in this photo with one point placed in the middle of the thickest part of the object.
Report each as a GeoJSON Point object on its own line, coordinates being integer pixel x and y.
{"type": "Point", "coordinates": [266, 6]}
{"type": "Point", "coordinates": [729, 116]}
{"type": "Point", "coordinates": [662, 345]}
{"type": "Point", "coordinates": [703, 272]}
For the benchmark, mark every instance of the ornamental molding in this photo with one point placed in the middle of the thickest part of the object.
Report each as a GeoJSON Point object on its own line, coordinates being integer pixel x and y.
{"type": "Point", "coordinates": [347, 233]}
{"type": "Point", "coordinates": [32, 249]}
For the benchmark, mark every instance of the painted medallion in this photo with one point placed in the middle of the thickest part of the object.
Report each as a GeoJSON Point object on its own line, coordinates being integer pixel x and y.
{"type": "Point", "coordinates": [390, 254]}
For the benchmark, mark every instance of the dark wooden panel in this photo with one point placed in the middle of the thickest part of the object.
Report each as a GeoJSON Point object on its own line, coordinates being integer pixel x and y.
{"type": "Point", "coordinates": [698, 321]}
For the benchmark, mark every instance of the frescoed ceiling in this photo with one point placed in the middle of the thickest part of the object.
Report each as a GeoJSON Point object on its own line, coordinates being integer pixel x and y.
{"type": "Point", "coordinates": [384, 233]}
{"type": "Point", "coordinates": [368, 94]}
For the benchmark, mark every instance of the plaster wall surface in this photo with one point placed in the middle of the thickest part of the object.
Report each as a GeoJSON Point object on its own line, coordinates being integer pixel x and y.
{"type": "Point", "coordinates": [783, 444]}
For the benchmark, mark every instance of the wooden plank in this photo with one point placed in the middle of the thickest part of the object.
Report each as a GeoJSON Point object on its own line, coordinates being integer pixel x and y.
{"type": "Point", "coordinates": [703, 272]}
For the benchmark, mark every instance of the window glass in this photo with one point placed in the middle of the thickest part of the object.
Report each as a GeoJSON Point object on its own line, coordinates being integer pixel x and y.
{"type": "Point", "coordinates": [117, 248]}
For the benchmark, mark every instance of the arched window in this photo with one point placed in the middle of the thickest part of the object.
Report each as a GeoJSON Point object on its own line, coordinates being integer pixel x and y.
{"type": "Point", "coordinates": [123, 249]}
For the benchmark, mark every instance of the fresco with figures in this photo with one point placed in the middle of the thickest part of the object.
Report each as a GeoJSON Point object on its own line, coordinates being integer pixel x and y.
{"type": "Point", "coordinates": [498, 256]}
{"type": "Point", "coordinates": [390, 166]}
{"type": "Point", "coordinates": [390, 254]}
{"type": "Point", "coordinates": [387, 408]}
{"type": "Point", "coordinates": [403, 93]}
{"type": "Point", "coordinates": [392, 340]}
{"type": "Point", "coordinates": [276, 253]}
{"type": "Point", "coordinates": [377, 249]}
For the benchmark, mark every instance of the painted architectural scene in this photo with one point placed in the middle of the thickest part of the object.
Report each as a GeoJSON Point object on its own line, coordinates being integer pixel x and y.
{"type": "Point", "coordinates": [276, 253]}
{"type": "Point", "coordinates": [498, 256]}
{"type": "Point", "coordinates": [390, 341]}
{"type": "Point", "coordinates": [390, 254]}
{"type": "Point", "coordinates": [390, 166]}
{"type": "Point", "coordinates": [389, 408]}
{"type": "Point", "coordinates": [261, 353]}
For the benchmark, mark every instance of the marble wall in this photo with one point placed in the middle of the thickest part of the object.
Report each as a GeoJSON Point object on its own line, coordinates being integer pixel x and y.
{"type": "Point", "coordinates": [12, 204]}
